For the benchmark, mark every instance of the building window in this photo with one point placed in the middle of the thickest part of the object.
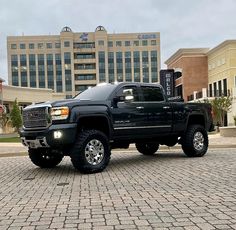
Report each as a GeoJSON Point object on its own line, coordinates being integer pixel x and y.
{"type": "Point", "coordinates": [220, 88]}
{"type": "Point", "coordinates": [144, 42]}
{"type": "Point", "coordinates": [118, 43]}
{"type": "Point", "coordinates": [22, 46]}
{"type": "Point", "coordinates": [40, 45]}
{"type": "Point", "coordinates": [49, 45]}
{"type": "Point", "coordinates": [127, 43]}
{"type": "Point", "coordinates": [145, 66]}
{"type": "Point", "coordinates": [110, 44]}
{"type": "Point", "coordinates": [32, 70]}
{"type": "Point", "coordinates": [154, 70]}
{"type": "Point", "coordinates": [31, 46]}
{"type": "Point", "coordinates": [14, 58]}
{"type": "Point", "coordinates": [111, 70]}
{"type": "Point", "coordinates": [119, 66]}
{"type": "Point", "coordinates": [24, 79]}
{"type": "Point", "coordinates": [128, 75]}
{"type": "Point", "coordinates": [85, 77]}
{"type": "Point", "coordinates": [136, 59]}
{"type": "Point", "coordinates": [153, 42]}
{"type": "Point", "coordinates": [101, 43]}
{"type": "Point", "coordinates": [57, 45]}
{"type": "Point", "coordinates": [32, 58]}
{"type": "Point", "coordinates": [88, 45]}
{"type": "Point", "coordinates": [49, 57]}
{"type": "Point", "coordinates": [102, 69]}
{"type": "Point", "coordinates": [13, 46]}
{"type": "Point", "coordinates": [136, 43]}
{"type": "Point", "coordinates": [152, 93]}
{"type": "Point", "coordinates": [66, 44]}
{"type": "Point", "coordinates": [225, 87]}
{"type": "Point", "coordinates": [215, 89]}
{"type": "Point", "coordinates": [84, 56]}
{"type": "Point", "coordinates": [67, 58]}
{"type": "Point", "coordinates": [85, 66]}
{"type": "Point", "coordinates": [68, 80]}
{"type": "Point", "coordinates": [210, 90]}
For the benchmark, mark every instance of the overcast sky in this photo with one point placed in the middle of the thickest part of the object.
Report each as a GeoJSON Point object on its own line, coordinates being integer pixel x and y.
{"type": "Point", "coordinates": [181, 23]}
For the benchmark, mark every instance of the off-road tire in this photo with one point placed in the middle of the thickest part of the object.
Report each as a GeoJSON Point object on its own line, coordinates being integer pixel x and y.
{"type": "Point", "coordinates": [91, 142]}
{"type": "Point", "coordinates": [45, 158]}
{"type": "Point", "coordinates": [195, 141]}
{"type": "Point", "coordinates": [147, 148]}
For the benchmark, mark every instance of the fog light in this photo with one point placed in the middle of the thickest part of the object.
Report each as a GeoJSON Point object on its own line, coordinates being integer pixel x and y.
{"type": "Point", "coordinates": [57, 134]}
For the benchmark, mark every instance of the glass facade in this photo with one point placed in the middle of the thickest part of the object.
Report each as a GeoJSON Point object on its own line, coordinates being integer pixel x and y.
{"type": "Point", "coordinates": [32, 70]}
{"type": "Point", "coordinates": [67, 61]}
{"type": "Point", "coordinates": [102, 68]}
{"type": "Point", "coordinates": [14, 70]}
{"type": "Point", "coordinates": [85, 77]}
{"type": "Point", "coordinates": [136, 59]}
{"type": "Point", "coordinates": [119, 66]}
{"type": "Point", "coordinates": [111, 70]}
{"type": "Point", "coordinates": [145, 66]}
{"type": "Point", "coordinates": [41, 71]}
{"type": "Point", "coordinates": [84, 55]}
{"type": "Point", "coordinates": [58, 73]}
{"type": "Point", "coordinates": [55, 63]}
{"type": "Point", "coordinates": [23, 70]}
{"type": "Point", "coordinates": [128, 71]}
{"type": "Point", "coordinates": [50, 72]}
{"type": "Point", "coordinates": [154, 67]}
{"type": "Point", "coordinates": [31, 46]}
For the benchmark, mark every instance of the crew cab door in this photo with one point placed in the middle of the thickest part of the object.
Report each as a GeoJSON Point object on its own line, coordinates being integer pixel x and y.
{"type": "Point", "coordinates": [127, 113]}
{"type": "Point", "coordinates": [157, 111]}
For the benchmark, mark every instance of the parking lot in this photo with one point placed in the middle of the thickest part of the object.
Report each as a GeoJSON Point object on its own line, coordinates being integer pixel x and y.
{"type": "Point", "coordinates": [165, 191]}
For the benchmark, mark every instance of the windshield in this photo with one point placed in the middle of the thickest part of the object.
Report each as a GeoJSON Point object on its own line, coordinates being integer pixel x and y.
{"type": "Point", "coordinates": [97, 93]}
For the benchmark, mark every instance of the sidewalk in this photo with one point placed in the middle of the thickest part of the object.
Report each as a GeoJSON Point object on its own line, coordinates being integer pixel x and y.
{"type": "Point", "coordinates": [215, 141]}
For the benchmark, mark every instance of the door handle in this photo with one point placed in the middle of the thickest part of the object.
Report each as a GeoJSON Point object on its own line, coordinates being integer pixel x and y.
{"type": "Point", "coordinates": [166, 107]}
{"type": "Point", "coordinates": [140, 107]}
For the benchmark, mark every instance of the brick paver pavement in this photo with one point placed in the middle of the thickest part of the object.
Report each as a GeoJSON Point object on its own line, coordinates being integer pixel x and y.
{"type": "Point", "coordinates": [165, 191]}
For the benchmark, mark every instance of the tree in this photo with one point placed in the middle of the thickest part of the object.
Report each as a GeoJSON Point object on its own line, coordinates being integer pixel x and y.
{"type": "Point", "coordinates": [220, 106]}
{"type": "Point", "coordinates": [16, 116]}
{"type": "Point", "coordinates": [4, 120]}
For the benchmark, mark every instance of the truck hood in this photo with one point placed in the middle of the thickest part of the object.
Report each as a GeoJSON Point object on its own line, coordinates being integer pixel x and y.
{"type": "Point", "coordinates": [66, 102]}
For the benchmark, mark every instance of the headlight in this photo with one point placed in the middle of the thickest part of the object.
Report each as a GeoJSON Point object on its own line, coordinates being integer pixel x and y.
{"type": "Point", "coordinates": [59, 113]}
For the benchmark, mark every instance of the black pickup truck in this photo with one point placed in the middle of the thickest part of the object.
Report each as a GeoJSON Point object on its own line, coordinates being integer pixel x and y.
{"type": "Point", "coordinates": [110, 116]}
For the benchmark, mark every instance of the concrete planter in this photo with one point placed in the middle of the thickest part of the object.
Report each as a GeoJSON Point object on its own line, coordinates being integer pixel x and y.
{"type": "Point", "coordinates": [228, 131]}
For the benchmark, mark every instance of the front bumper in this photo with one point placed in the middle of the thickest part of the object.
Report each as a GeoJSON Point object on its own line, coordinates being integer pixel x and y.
{"type": "Point", "coordinates": [46, 138]}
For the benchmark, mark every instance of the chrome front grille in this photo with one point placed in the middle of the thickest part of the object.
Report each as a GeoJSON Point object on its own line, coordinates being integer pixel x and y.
{"type": "Point", "coordinates": [38, 117]}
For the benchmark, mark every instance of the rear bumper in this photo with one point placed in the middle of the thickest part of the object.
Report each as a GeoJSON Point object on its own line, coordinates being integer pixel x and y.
{"type": "Point", "coordinates": [46, 138]}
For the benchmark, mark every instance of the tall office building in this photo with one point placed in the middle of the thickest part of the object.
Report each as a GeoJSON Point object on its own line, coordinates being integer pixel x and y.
{"type": "Point", "coordinates": [72, 62]}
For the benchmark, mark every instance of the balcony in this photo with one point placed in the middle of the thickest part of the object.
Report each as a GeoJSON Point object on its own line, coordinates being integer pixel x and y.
{"type": "Point", "coordinates": [85, 61]}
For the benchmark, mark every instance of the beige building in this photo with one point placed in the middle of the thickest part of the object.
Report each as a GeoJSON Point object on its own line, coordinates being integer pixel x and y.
{"type": "Point", "coordinates": [222, 73]}
{"type": "Point", "coordinates": [26, 96]}
{"type": "Point", "coordinates": [207, 73]}
{"type": "Point", "coordinates": [71, 62]}
{"type": "Point", "coordinates": [193, 64]}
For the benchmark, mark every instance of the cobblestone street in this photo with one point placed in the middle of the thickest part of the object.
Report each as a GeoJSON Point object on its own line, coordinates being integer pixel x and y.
{"type": "Point", "coordinates": [165, 191]}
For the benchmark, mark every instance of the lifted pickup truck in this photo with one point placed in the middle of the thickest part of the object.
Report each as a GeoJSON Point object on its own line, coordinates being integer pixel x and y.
{"type": "Point", "coordinates": [110, 116]}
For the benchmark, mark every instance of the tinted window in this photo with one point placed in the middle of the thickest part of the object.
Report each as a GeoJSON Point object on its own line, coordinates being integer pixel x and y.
{"type": "Point", "coordinates": [152, 93]}
{"type": "Point", "coordinates": [129, 91]}
{"type": "Point", "coordinates": [97, 93]}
